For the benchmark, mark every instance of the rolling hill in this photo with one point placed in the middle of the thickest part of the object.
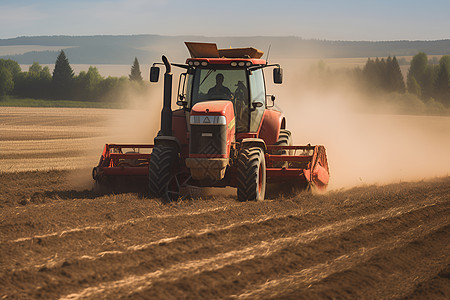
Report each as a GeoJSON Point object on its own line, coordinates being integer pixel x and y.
{"type": "Point", "coordinates": [121, 49]}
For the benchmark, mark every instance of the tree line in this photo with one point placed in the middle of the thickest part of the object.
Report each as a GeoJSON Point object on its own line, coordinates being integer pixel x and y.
{"type": "Point", "coordinates": [427, 79]}
{"type": "Point", "coordinates": [383, 75]}
{"type": "Point", "coordinates": [424, 79]}
{"type": "Point", "coordinates": [63, 84]}
{"type": "Point", "coordinates": [430, 81]}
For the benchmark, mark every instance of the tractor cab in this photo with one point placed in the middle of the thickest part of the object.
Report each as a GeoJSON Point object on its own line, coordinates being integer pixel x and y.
{"type": "Point", "coordinates": [234, 74]}
{"type": "Point", "coordinates": [227, 79]}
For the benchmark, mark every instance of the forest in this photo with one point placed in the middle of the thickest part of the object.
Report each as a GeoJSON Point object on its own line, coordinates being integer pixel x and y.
{"type": "Point", "coordinates": [63, 84]}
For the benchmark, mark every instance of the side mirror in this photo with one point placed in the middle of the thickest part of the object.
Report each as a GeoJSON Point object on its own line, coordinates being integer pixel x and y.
{"type": "Point", "coordinates": [278, 75]}
{"type": "Point", "coordinates": [181, 101]}
{"type": "Point", "coordinates": [154, 74]}
{"type": "Point", "coordinates": [270, 103]}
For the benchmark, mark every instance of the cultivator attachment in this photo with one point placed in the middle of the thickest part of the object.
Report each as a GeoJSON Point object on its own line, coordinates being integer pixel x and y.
{"type": "Point", "coordinates": [302, 164]}
{"type": "Point", "coordinates": [122, 165]}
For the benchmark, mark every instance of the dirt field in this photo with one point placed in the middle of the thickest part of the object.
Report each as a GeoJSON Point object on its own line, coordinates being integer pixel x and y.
{"type": "Point", "coordinates": [59, 239]}
{"type": "Point", "coordinates": [368, 242]}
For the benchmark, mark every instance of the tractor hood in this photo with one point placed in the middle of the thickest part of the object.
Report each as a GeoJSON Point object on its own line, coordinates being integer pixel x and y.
{"type": "Point", "coordinates": [213, 108]}
{"type": "Point", "coordinates": [220, 112]}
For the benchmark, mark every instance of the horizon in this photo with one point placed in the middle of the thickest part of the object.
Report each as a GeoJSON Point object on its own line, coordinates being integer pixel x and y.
{"type": "Point", "coordinates": [211, 36]}
{"type": "Point", "coordinates": [348, 20]}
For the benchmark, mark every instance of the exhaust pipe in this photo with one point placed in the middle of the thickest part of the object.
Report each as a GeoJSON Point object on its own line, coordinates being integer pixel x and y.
{"type": "Point", "coordinates": [166, 112]}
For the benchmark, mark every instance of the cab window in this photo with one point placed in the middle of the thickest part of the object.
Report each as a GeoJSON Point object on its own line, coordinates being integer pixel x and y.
{"type": "Point", "coordinates": [222, 84]}
{"type": "Point", "coordinates": [257, 94]}
{"type": "Point", "coordinates": [212, 84]}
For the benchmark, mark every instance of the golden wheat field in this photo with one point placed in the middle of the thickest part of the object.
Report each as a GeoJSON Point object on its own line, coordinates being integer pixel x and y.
{"type": "Point", "coordinates": [60, 138]}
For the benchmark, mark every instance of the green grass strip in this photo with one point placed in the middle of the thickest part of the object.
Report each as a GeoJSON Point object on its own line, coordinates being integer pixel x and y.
{"type": "Point", "coordinates": [29, 102]}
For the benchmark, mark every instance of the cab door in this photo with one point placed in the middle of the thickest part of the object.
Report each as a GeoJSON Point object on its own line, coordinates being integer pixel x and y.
{"type": "Point", "coordinates": [257, 95]}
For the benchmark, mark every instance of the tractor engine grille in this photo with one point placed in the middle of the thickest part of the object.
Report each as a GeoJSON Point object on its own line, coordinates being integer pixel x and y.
{"type": "Point", "coordinates": [208, 139]}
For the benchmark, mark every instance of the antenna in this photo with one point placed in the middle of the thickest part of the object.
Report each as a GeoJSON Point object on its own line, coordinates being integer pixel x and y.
{"type": "Point", "coordinates": [267, 56]}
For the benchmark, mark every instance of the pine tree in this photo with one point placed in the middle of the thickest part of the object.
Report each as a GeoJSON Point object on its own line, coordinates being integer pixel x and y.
{"type": "Point", "coordinates": [379, 72]}
{"type": "Point", "coordinates": [418, 66]}
{"type": "Point", "coordinates": [423, 75]}
{"type": "Point", "coordinates": [442, 85]}
{"type": "Point", "coordinates": [396, 77]}
{"type": "Point", "coordinates": [413, 86]}
{"type": "Point", "coordinates": [385, 74]}
{"type": "Point", "coordinates": [444, 60]}
{"type": "Point", "coordinates": [6, 81]}
{"type": "Point", "coordinates": [135, 71]}
{"type": "Point", "coordinates": [370, 75]}
{"type": "Point", "coordinates": [62, 79]}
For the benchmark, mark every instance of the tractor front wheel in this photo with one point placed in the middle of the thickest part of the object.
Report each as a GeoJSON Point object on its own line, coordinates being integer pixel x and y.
{"type": "Point", "coordinates": [251, 175]}
{"type": "Point", "coordinates": [161, 169]}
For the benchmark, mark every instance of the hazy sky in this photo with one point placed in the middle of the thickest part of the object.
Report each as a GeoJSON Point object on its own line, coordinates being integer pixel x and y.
{"type": "Point", "coordinates": [321, 19]}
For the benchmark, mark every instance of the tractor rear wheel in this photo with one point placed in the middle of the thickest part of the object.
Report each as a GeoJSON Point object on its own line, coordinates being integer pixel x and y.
{"type": "Point", "coordinates": [251, 175]}
{"type": "Point", "coordinates": [103, 185]}
{"type": "Point", "coordinates": [284, 139]}
{"type": "Point", "coordinates": [161, 170]}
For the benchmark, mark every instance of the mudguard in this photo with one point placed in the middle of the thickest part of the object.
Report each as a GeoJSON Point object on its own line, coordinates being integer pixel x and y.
{"type": "Point", "coordinates": [253, 142]}
{"type": "Point", "coordinates": [168, 141]}
{"type": "Point", "coordinates": [270, 127]}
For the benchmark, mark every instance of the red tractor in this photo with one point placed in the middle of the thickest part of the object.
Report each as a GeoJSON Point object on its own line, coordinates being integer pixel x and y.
{"type": "Point", "coordinates": [225, 133]}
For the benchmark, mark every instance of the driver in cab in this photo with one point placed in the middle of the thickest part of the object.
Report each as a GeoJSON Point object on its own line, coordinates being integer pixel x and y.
{"type": "Point", "coordinates": [219, 91]}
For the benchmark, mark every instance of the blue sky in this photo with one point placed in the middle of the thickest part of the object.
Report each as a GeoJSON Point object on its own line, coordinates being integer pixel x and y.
{"type": "Point", "coordinates": [323, 19]}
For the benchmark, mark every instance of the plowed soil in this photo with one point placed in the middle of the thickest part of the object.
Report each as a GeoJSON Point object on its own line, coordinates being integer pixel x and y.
{"type": "Point", "coordinates": [367, 242]}
{"type": "Point", "coordinates": [61, 240]}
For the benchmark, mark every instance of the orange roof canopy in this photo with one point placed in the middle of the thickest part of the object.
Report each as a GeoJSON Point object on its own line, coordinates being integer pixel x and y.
{"type": "Point", "coordinates": [209, 50]}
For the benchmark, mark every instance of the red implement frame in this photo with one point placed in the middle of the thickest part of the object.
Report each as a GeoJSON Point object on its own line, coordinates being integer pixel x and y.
{"type": "Point", "coordinates": [114, 162]}
{"type": "Point", "coordinates": [309, 165]}
{"type": "Point", "coordinates": [306, 164]}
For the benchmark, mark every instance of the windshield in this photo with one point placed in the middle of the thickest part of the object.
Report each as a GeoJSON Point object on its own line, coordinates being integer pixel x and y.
{"type": "Point", "coordinates": [221, 84]}
{"type": "Point", "coordinates": [212, 84]}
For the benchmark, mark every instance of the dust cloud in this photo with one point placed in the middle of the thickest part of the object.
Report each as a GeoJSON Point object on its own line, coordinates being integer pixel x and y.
{"type": "Point", "coordinates": [137, 123]}
{"type": "Point", "coordinates": [368, 141]}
